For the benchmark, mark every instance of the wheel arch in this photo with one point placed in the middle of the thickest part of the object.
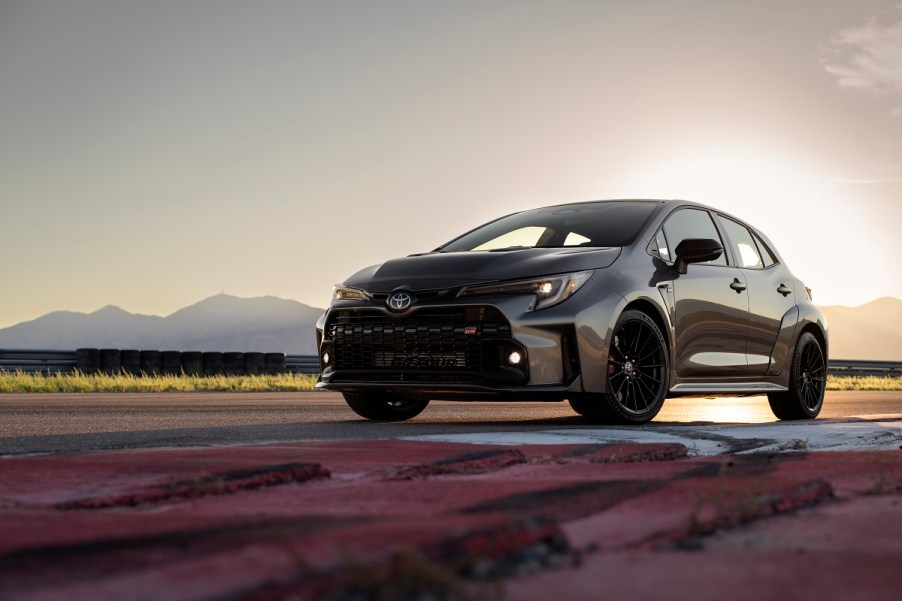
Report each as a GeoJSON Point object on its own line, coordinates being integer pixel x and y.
{"type": "Point", "coordinates": [795, 402]}
{"type": "Point", "coordinates": [818, 333]}
{"type": "Point", "coordinates": [811, 319]}
{"type": "Point", "coordinates": [656, 314]}
{"type": "Point", "coordinates": [612, 408]}
{"type": "Point", "coordinates": [595, 328]}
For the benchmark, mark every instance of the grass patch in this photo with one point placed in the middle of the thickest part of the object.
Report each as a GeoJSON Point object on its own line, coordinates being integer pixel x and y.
{"type": "Point", "coordinates": [863, 383]}
{"type": "Point", "coordinates": [79, 382]}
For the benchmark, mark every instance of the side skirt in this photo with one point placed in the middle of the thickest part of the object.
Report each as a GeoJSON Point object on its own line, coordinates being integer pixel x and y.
{"type": "Point", "coordinates": [718, 388]}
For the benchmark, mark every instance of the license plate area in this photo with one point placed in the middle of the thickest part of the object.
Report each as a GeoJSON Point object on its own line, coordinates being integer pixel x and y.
{"type": "Point", "coordinates": [434, 361]}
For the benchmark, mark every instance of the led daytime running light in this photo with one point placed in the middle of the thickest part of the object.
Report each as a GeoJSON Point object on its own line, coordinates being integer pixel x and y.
{"type": "Point", "coordinates": [343, 293]}
{"type": "Point", "coordinates": [549, 290]}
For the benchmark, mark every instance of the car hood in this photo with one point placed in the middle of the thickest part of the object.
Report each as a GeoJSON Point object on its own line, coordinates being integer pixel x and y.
{"type": "Point", "coordinates": [432, 271]}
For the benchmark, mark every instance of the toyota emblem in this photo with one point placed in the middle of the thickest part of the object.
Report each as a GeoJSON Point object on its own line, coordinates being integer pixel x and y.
{"type": "Point", "coordinates": [400, 301]}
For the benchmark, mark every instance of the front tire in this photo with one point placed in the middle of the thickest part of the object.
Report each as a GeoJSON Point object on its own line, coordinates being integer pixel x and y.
{"type": "Point", "coordinates": [383, 407]}
{"type": "Point", "coordinates": [807, 382]}
{"type": "Point", "coordinates": [638, 374]}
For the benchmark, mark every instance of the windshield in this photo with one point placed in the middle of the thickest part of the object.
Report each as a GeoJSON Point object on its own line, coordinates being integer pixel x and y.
{"type": "Point", "coordinates": [593, 224]}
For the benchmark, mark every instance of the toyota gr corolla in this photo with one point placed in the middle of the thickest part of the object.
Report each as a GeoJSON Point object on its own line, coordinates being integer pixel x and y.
{"type": "Point", "coordinates": [611, 305]}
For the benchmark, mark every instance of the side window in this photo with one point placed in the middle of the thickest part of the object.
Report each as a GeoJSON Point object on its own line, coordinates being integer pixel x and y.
{"type": "Point", "coordinates": [745, 250]}
{"type": "Point", "coordinates": [658, 247]}
{"type": "Point", "coordinates": [767, 254]}
{"type": "Point", "coordinates": [690, 223]}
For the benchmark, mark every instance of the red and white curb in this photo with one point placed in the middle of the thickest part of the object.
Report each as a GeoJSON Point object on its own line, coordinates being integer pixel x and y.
{"type": "Point", "coordinates": [816, 435]}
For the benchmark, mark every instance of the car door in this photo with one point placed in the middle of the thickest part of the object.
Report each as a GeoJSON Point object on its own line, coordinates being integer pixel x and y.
{"type": "Point", "coordinates": [770, 291]}
{"type": "Point", "coordinates": [710, 307]}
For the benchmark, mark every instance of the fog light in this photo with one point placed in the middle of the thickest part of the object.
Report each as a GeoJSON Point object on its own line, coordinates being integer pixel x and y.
{"type": "Point", "coordinates": [326, 358]}
{"type": "Point", "coordinates": [514, 358]}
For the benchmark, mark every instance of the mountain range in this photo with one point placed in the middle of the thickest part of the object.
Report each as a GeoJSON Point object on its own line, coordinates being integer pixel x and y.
{"type": "Point", "coordinates": [872, 331]}
{"type": "Point", "coordinates": [269, 324]}
{"type": "Point", "coordinates": [218, 323]}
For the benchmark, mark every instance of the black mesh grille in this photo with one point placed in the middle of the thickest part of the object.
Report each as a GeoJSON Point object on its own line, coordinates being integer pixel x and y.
{"type": "Point", "coordinates": [457, 344]}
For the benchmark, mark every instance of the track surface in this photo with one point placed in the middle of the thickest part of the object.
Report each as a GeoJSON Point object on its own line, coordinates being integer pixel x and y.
{"type": "Point", "coordinates": [75, 422]}
{"type": "Point", "coordinates": [713, 500]}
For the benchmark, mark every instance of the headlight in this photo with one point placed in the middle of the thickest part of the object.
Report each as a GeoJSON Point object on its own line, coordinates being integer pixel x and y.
{"type": "Point", "coordinates": [343, 293]}
{"type": "Point", "coordinates": [549, 290]}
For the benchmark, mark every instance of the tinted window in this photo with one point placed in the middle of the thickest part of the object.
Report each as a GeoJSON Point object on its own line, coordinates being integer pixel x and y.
{"type": "Point", "coordinates": [745, 250]}
{"type": "Point", "coordinates": [691, 223]}
{"type": "Point", "coordinates": [595, 224]}
{"type": "Point", "coordinates": [658, 246]}
{"type": "Point", "coordinates": [767, 254]}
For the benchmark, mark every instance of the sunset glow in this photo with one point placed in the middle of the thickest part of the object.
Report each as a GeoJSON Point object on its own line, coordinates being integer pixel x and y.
{"type": "Point", "coordinates": [777, 193]}
{"type": "Point", "coordinates": [275, 148]}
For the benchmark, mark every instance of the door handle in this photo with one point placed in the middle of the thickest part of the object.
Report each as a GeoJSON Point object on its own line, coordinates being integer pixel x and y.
{"type": "Point", "coordinates": [737, 285]}
{"type": "Point", "coordinates": [784, 290]}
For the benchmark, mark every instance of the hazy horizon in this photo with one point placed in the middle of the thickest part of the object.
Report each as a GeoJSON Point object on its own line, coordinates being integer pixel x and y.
{"type": "Point", "coordinates": [280, 298]}
{"type": "Point", "coordinates": [155, 154]}
{"type": "Point", "coordinates": [271, 324]}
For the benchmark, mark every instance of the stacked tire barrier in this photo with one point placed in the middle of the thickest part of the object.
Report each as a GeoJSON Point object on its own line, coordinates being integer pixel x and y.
{"type": "Point", "coordinates": [174, 363]}
{"type": "Point", "coordinates": [110, 360]}
{"type": "Point", "coordinates": [213, 363]}
{"type": "Point", "coordinates": [276, 363]}
{"type": "Point", "coordinates": [170, 363]}
{"type": "Point", "coordinates": [193, 363]}
{"type": "Point", "coordinates": [151, 362]}
{"type": "Point", "coordinates": [87, 360]}
{"type": "Point", "coordinates": [131, 361]}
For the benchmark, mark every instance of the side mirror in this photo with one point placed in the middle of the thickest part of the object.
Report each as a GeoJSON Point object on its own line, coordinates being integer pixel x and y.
{"type": "Point", "coordinates": [696, 250]}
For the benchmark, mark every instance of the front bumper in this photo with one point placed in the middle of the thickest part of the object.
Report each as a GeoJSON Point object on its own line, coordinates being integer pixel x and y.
{"type": "Point", "coordinates": [457, 347]}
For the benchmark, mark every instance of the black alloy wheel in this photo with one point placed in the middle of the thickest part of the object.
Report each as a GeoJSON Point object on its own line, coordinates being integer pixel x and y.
{"type": "Point", "coordinates": [638, 371]}
{"type": "Point", "coordinates": [807, 382]}
{"type": "Point", "coordinates": [380, 406]}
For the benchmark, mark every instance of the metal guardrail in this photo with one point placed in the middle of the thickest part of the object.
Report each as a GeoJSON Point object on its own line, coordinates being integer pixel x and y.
{"type": "Point", "coordinates": [845, 367]}
{"type": "Point", "coordinates": [302, 364]}
{"type": "Point", "coordinates": [51, 361]}
{"type": "Point", "coordinates": [31, 361]}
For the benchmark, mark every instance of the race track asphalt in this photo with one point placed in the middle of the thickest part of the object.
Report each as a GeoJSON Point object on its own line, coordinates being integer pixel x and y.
{"type": "Point", "coordinates": [40, 423]}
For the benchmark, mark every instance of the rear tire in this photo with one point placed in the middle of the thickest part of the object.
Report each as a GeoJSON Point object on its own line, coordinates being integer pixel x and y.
{"type": "Point", "coordinates": [383, 407]}
{"type": "Point", "coordinates": [807, 382]}
{"type": "Point", "coordinates": [638, 374]}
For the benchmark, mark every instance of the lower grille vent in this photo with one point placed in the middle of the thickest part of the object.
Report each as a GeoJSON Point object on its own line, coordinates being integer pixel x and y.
{"type": "Point", "coordinates": [457, 344]}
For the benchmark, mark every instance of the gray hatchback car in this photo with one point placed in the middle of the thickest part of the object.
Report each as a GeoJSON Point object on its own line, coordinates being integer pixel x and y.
{"type": "Point", "coordinates": [611, 305]}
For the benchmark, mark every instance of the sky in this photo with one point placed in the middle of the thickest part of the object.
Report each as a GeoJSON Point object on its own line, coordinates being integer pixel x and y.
{"type": "Point", "coordinates": [153, 154]}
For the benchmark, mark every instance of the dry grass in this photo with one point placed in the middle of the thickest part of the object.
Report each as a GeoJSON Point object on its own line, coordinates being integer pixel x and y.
{"type": "Point", "coordinates": [78, 382]}
{"type": "Point", "coordinates": [863, 383]}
